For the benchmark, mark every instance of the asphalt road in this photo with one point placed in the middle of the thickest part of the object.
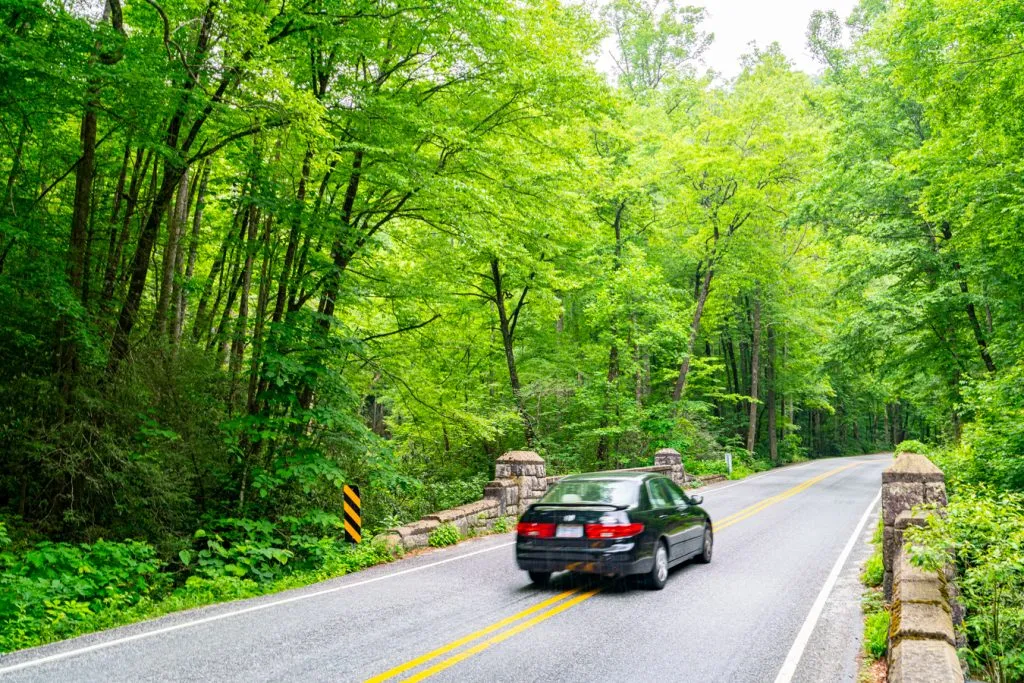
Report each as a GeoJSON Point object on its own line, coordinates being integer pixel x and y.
{"type": "Point", "coordinates": [779, 602]}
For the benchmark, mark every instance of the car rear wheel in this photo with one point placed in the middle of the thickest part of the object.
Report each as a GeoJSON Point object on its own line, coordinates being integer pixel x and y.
{"type": "Point", "coordinates": [708, 545]}
{"type": "Point", "coordinates": [540, 578]}
{"type": "Point", "coordinates": [659, 572]}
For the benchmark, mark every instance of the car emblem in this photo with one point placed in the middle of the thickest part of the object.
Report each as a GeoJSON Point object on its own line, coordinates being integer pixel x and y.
{"type": "Point", "coordinates": [568, 518]}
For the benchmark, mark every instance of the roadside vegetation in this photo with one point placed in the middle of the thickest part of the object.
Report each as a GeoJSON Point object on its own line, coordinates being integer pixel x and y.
{"type": "Point", "coordinates": [249, 253]}
{"type": "Point", "coordinates": [984, 526]}
{"type": "Point", "coordinates": [876, 614]}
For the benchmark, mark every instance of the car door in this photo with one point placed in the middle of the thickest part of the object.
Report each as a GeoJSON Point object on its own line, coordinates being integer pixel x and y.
{"type": "Point", "coordinates": [669, 515]}
{"type": "Point", "coordinates": [691, 520]}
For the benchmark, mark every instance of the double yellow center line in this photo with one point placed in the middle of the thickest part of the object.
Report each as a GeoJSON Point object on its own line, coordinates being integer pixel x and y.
{"type": "Point", "coordinates": [745, 513]}
{"type": "Point", "coordinates": [557, 604]}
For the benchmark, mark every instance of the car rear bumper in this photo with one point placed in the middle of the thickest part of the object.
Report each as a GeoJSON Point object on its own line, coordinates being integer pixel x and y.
{"type": "Point", "coordinates": [619, 564]}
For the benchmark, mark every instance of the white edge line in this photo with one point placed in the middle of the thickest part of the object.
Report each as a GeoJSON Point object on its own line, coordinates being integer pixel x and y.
{"type": "Point", "coordinates": [796, 652]}
{"type": "Point", "coordinates": [225, 615]}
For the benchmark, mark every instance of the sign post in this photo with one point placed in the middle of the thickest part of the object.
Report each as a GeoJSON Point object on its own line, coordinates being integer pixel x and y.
{"type": "Point", "coordinates": [352, 520]}
{"type": "Point", "coordinates": [728, 462]}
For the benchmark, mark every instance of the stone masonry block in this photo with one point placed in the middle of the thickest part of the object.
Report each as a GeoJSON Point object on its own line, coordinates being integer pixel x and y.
{"type": "Point", "coordinates": [487, 506]}
{"type": "Point", "coordinates": [422, 527]}
{"type": "Point", "coordinates": [908, 518]}
{"type": "Point", "coordinates": [448, 516]}
{"type": "Point", "coordinates": [916, 621]}
{"type": "Point", "coordinates": [390, 540]}
{"type": "Point", "coordinates": [495, 490]}
{"type": "Point", "coordinates": [905, 570]}
{"type": "Point", "coordinates": [890, 547]}
{"type": "Point", "coordinates": [935, 493]}
{"type": "Point", "coordinates": [898, 497]}
{"type": "Point", "coordinates": [418, 541]}
{"type": "Point", "coordinates": [519, 463]}
{"type": "Point", "coordinates": [924, 661]}
{"type": "Point", "coordinates": [668, 456]}
{"type": "Point", "coordinates": [928, 592]}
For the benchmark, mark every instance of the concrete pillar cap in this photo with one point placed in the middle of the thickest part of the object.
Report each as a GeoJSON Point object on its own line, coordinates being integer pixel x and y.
{"type": "Point", "coordinates": [520, 457]}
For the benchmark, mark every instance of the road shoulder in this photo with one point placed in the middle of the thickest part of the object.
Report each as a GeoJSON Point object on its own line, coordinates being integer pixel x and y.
{"type": "Point", "coordinates": [832, 652]}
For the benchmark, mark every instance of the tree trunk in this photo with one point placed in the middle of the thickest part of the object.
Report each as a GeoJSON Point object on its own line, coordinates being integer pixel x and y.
{"type": "Point", "coordinates": [979, 335]}
{"type": "Point", "coordinates": [507, 339]}
{"type": "Point", "coordinates": [293, 239]}
{"type": "Point", "coordinates": [139, 171]}
{"type": "Point", "coordinates": [262, 302]}
{"type": "Point", "coordinates": [230, 282]}
{"type": "Point", "coordinates": [170, 260]}
{"type": "Point", "coordinates": [67, 362]}
{"type": "Point", "coordinates": [193, 248]}
{"type": "Point", "coordinates": [972, 314]}
{"type": "Point", "coordinates": [885, 430]}
{"type": "Point", "coordinates": [755, 357]}
{"type": "Point", "coordinates": [216, 274]}
{"type": "Point", "coordinates": [613, 374]}
{"type": "Point", "coordinates": [112, 240]}
{"type": "Point", "coordinates": [702, 297]}
{"type": "Point", "coordinates": [84, 174]}
{"type": "Point", "coordinates": [242, 321]}
{"type": "Point", "coordinates": [140, 268]}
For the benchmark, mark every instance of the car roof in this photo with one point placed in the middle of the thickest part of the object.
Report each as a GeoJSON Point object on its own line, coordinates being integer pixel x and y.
{"type": "Point", "coordinates": [611, 476]}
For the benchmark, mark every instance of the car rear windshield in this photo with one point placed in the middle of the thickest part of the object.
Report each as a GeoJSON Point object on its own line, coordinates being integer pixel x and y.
{"type": "Point", "coordinates": [608, 491]}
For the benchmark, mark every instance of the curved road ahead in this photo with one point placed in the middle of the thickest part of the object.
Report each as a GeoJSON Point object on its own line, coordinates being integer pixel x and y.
{"type": "Point", "coordinates": [779, 602]}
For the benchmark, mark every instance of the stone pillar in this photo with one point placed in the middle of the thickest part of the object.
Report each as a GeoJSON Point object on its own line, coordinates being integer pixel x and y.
{"type": "Point", "coordinates": [911, 480]}
{"type": "Point", "coordinates": [671, 457]}
{"type": "Point", "coordinates": [520, 478]}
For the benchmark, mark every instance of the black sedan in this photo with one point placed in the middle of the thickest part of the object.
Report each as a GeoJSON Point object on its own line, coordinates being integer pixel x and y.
{"type": "Point", "coordinates": [615, 524]}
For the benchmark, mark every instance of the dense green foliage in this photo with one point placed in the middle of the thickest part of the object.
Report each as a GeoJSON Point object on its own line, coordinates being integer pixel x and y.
{"type": "Point", "coordinates": [250, 252]}
{"type": "Point", "coordinates": [50, 591]}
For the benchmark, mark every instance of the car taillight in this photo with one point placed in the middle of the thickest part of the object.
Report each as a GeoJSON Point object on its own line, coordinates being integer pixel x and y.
{"type": "Point", "coordinates": [613, 530]}
{"type": "Point", "coordinates": [536, 529]}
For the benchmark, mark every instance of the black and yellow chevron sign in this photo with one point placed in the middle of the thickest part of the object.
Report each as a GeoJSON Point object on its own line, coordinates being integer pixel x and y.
{"type": "Point", "coordinates": [353, 521]}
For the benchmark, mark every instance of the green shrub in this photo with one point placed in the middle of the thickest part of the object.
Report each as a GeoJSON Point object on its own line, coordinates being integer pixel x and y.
{"type": "Point", "coordinates": [911, 446]}
{"type": "Point", "coordinates": [446, 534]}
{"type": "Point", "coordinates": [876, 634]}
{"type": "Point", "coordinates": [55, 588]}
{"type": "Point", "coordinates": [345, 558]}
{"type": "Point", "coordinates": [705, 467]}
{"type": "Point", "coordinates": [243, 548]}
{"type": "Point", "coordinates": [791, 448]}
{"type": "Point", "coordinates": [741, 471]}
{"type": "Point", "coordinates": [503, 525]}
{"type": "Point", "coordinates": [874, 571]}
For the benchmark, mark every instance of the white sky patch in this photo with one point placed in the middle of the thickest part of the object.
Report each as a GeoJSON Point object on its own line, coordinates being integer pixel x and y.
{"type": "Point", "coordinates": [736, 23]}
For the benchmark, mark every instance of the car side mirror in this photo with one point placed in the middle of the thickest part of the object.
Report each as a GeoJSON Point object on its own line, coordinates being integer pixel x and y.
{"type": "Point", "coordinates": [696, 500]}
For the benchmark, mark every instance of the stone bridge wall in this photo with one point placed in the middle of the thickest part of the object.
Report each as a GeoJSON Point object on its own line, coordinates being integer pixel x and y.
{"type": "Point", "coordinates": [924, 609]}
{"type": "Point", "coordinates": [520, 478]}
